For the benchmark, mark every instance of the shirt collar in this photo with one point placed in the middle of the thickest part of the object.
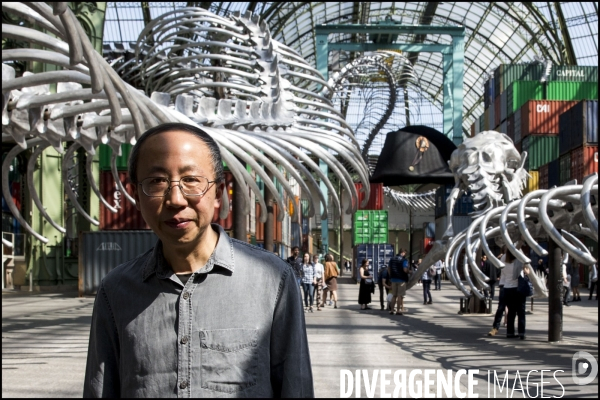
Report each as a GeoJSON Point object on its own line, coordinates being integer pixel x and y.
{"type": "Point", "coordinates": [222, 256]}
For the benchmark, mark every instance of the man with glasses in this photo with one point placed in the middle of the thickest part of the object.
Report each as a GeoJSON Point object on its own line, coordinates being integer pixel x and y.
{"type": "Point", "coordinates": [201, 314]}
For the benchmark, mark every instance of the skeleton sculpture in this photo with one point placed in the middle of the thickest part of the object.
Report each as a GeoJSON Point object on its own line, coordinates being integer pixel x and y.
{"type": "Point", "coordinates": [489, 166]}
{"type": "Point", "coordinates": [257, 98]}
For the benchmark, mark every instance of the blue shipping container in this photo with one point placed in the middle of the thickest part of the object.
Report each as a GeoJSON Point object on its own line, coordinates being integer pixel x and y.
{"type": "Point", "coordinates": [463, 205]}
{"type": "Point", "coordinates": [296, 233]}
{"type": "Point", "coordinates": [584, 123]}
{"type": "Point", "coordinates": [379, 256]}
{"type": "Point", "coordinates": [553, 173]}
{"type": "Point", "coordinates": [429, 229]}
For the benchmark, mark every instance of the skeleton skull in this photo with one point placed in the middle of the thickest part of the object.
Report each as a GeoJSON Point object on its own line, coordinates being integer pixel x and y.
{"type": "Point", "coordinates": [490, 166]}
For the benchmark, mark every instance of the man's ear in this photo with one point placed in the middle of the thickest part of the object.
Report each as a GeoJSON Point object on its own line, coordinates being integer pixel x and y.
{"type": "Point", "coordinates": [220, 192]}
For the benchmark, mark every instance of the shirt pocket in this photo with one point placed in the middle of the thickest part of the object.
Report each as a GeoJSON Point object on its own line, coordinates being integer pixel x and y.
{"type": "Point", "coordinates": [229, 359]}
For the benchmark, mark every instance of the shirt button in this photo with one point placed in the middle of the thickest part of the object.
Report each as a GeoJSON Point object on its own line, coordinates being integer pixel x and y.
{"type": "Point", "coordinates": [183, 385]}
{"type": "Point", "coordinates": [186, 295]}
{"type": "Point", "coordinates": [184, 340]}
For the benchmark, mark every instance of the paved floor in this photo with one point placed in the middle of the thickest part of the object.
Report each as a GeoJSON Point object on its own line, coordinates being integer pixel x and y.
{"type": "Point", "coordinates": [44, 344]}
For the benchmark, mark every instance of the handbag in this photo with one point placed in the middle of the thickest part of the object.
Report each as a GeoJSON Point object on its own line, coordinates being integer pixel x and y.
{"type": "Point", "coordinates": [525, 286]}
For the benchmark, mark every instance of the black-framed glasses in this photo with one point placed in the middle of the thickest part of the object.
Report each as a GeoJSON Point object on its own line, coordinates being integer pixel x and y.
{"type": "Point", "coordinates": [189, 186]}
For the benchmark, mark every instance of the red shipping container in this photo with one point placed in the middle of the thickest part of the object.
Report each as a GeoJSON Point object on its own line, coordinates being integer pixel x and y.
{"type": "Point", "coordinates": [540, 117]}
{"type": "Point", "coordinates": [375, 199]}
{"type": "Point", "coordinates": [260, 227]}
{"type": "Point", "coordinates": [584, 162]}
{"type": "Point", "coordinates": [127, 217]}
{"type": "Point", "coordinates": [543, 180]}
{"type": "Point", "coordinates": [427, 245]}
{"type": "Point", "coordinates": [226, 223]}
{"type": "Point", "coordinates": [497, 120]}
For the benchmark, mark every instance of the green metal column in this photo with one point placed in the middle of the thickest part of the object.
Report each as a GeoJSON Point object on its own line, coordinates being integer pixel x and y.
{"type": "Point", "coordinates": [447, 91]}
{"type": "Point", "coordinates": [324, 222]}
{"type": "Point", "coordinates": [458, 70]}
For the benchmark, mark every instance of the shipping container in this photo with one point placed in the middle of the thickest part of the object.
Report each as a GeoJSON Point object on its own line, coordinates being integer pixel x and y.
{"type": "Point", "coordinates": [100, 252]}
{"type": "Point", "coordinates": [573, 73]}
{"type": "Point", "coordinates": [564, 174]}
{"type": "Point", "coordinates": [277, 225]}
{"type": "Point", "coordinates": [472, 129]}
{"type": "Point", "coordinates": [463, 205]}
{"type": "Point", "coordinates": [459, 223]}
{"type": "Point", "coordinates": [379, 255]}
{"type": "Point", "coordinates": [572, 91]}
{"type": "Point", "coordinates": [533, 182]}
{"type": "Point", "coordinates": [486, 94]}
{"type": "Point", "coordinates": [510, 127]}
{"type": "Point", "coordinates": [503, 112]}
{"type": "Point", "coordinates": [226, 223]}
{"type": "Point", "coordinates": [503, 127]}
{"type": "Point", "coordinates": [127, 216]}
{"type": "Point", "coordinates": [584, 124]}
{"type": "Point", "coordinates": [543, 177]}
{"type": "Point", "coordinates": [482, 126]}
{"type": "Point", "coordinates": [429, 229]}
{"type": "Point", "coordinates": [506, 74]}
{"type": "Point", "coordinates": [375, 199]}
{"type": "Point", "coordinates": [584, 162]}
{"type": "Point", "coordinates": [426, 245]}
{"type": "Point", "coordinates": [540, 150]}
{"type": "Point", "coordinates": [565, 132]}
{"type": "Point", "coordinates": [495, 111]}
{"type": "Point", "coordinates": [106, 155]}
{"type": "Point", "coordinates": [486, 120]}
{"type": "Point", "coordinates": [477, 125]}
{"type": "Point", "coordinates": [553, 174]}
{"type": "Point", "coordinates": [296, 234]}
{"type": "Point", "coordinates": [518, 124]}
{"type": "Point", "coordinates": [541, 117]}
{"type": "Point", "coordinates": [519, 92]}
{"type": "Point", "coordinates": [370, 226]}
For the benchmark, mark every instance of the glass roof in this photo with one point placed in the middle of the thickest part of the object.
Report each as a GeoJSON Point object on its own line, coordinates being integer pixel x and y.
{"type": "Point", "coordinates": [495, 33]}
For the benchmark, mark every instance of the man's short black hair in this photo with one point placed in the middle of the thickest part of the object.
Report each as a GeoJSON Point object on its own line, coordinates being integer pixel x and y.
{"type": "Point", "coordinates": [295, 248]}
{"type": "Point", "coordinates": [213, 148]}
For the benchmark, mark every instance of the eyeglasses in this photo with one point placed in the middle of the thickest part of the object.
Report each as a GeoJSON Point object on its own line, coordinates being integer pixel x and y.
{"type": "Point", "coordinates": [189, 185]}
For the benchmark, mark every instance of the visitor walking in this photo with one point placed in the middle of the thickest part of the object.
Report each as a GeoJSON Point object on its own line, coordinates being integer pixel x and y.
{"type": "Point", "coordinates": [575, 280]}
{"type": "Point", "coordinates": [331, 274]}
{"type": "Point", "coordinates": [398, 271]}
{"type": "Point", "coordinates": [308, 282]}
{"type": "Point", "coordinates": [366, 285]}
{"type": "Point", "coordinates": [426, 279]}
{"type": "Point", "coordinates": [383, 283]}
{"type": "Point", "coordinates": [492, 273]}
{"type": "Point", "coordinates": [593, 281]}
{"type": "Point", "coordinates": [319, 274]}
{"type": "Point", "coordinates": [515, 301]}
{"type": "Point", "coordinates": [295, 260]}
{"type": "Point", "coordinates": [437, 278]}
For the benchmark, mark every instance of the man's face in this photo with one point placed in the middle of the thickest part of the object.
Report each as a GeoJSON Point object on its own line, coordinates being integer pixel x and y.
{"type": "Point", "coordinates": [296, 252]}
{"type": "Point", "coordinates": [177, 220]}
{"type": "Point", "coordinates": [315, 259]}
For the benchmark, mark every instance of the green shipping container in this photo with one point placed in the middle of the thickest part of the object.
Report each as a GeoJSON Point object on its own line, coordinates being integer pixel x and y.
{"type": "Point", "coordinates": [106, 154]}
{"type": "Point", "coordinates": [564, 174]}
{"type": "Point", "coordinates": [370, 226]}
{"type": "Point", "coordinates": [506, 74]}
{"type": "Point", "coordinates": [573, 73]}
{"type": "Point", "coordinates": [540, 150]}
{"type": "Point", "coordinates": [572, 91]}
{"type": "Point", "coordinates": [519, 92]}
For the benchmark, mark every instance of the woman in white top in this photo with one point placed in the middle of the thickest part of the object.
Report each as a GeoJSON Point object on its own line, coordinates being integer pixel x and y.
{"type": "Point", "coordinates": [515, 301]}
{"type": "Point", "coordinates": [319, 274]}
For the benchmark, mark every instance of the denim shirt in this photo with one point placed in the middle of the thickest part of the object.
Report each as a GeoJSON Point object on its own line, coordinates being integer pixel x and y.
{"type": "Point", "coordinates": [236, 329]}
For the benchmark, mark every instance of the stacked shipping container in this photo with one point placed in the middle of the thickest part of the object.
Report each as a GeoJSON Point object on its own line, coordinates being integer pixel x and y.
{"type": "Point", "coordinates": [555, 122]}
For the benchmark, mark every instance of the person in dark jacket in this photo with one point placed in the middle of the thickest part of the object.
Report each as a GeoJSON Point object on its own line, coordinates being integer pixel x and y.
{"type": "Point", "coordinates": [295, 260]}
{"type": "Point", "coordinates": [384, 283]}
{"type": "Point", "coordinates": [398, 272]}
{"type": "Point", "coordinates": [492, 273]}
